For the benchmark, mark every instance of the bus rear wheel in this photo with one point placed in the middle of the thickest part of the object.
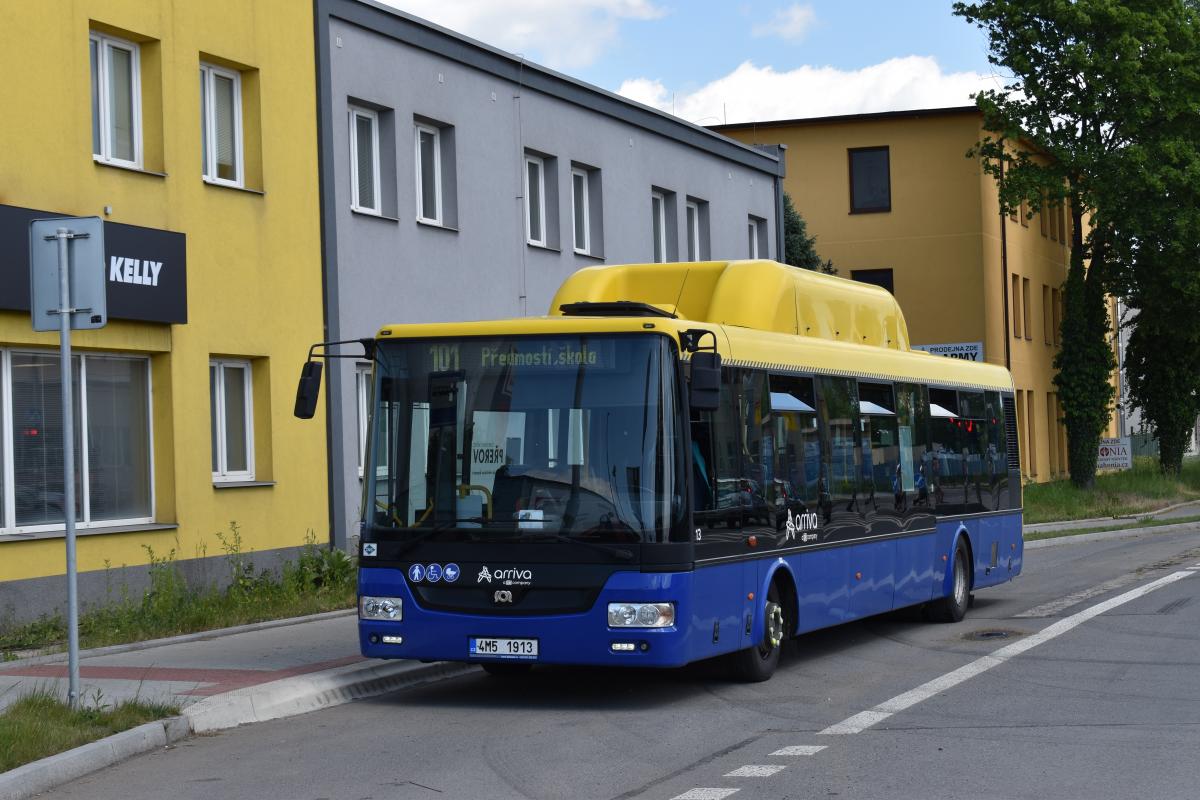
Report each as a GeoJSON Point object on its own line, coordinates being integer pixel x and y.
{"type": "Point", "coordinates": [953, 607]}
{"type": "Point", "coordinates": [758, 663]}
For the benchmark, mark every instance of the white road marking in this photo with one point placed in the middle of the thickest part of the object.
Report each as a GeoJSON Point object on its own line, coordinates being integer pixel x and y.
{"type": "Point", "coordinates": [755, 771]}
{"type": "Point", "coordinates": [705, 794]}
{"type": "Point", "coordinates": [866, 719]}
{"type": "Point", "coordinates": [1054, 606]}
{"type": "Point", "coordinates": [800, 750]}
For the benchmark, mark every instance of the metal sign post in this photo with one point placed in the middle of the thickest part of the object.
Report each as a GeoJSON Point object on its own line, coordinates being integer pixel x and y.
{"type": "Point", "coordinates": [50, 265]}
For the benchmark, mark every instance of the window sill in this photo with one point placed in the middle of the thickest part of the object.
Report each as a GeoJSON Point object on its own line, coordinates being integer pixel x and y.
{"type": "Point", "coordinates": [437, 225]}
{"type": "Point", "coordinates": [219, 185]}
{"type": "Point", "coordinates": [591, 256]}
{"type": "Point", "coordinates": [61, 534]}
{"type": "Point", "coordinates": [547, 247]}
{"type": "Point", "coordinates": [125, 167]}
{"type": "Point", "coordinates": [241, 484]}
{"type": "Point", "coordinates": [374, 214]}
{"type": "Point", "coordinates": [871, 210]}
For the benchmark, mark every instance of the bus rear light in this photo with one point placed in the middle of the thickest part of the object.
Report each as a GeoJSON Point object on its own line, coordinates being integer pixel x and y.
{"type": "Point", "coordinates": [641, 615]}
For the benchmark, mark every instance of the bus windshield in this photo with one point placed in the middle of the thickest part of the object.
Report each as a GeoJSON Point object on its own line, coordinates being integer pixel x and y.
{"type": "Point", "coordinates": [526, 438]}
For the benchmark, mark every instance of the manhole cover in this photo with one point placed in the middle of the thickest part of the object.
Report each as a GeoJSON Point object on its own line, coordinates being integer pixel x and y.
{"type": "Point", "coordinates": [987, 635]}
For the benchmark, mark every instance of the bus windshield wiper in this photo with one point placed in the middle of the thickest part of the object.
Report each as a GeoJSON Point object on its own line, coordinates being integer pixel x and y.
{"type": "Point", "coordinates": [619, 552]}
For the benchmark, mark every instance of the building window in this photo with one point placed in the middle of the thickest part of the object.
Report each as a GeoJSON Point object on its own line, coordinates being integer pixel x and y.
{"type": "Point", "coordinates": [535, 200]}
{"type": "Point", "coordinates": [1062, 223]}
{"type": "Point", "coordinates": [1044, 216]}
{"type": "Point", "coordinates": [580, 212]}
{"type": "Point", "coordinates": [752, 238]}
{"type": "Point", "coordinates": [693, 231]}
{"type": "Point", "coordinates": [111, 415]}
{"type": "Point", "coordinates": [870, 180]}
{"type": "Point", "coordinates": [1056, 312]}
{"type": "Point", "coordinates": [1030, 406]}
{"type": "Point", "coordinates": [116, 101]}
{"type": "Point", "coordinates": [221, 125]}
{"type": "Point", "coordinates": [1017, 327]}
{"type": "Point", "coordinates": [876, 277]}
{"type": "Point", "coordinates": [364, 161]}
{"type": "Point", "coordinates": [232, 417]}
{"type": "Point", "coordinates": [428, 143]}
{"type": "Point", "coordinates": [1024, 214]}
{"type": "Point", "coordinates": [658, 225]}
{"type": "Point", "coordinates": [362, 396]}
{"type": "Point", "coordinates": [756, 232]}
{"type": "Point", "coordinates": [1047, 314]}
{"type": "Point", "coordinates": [1026, 308]}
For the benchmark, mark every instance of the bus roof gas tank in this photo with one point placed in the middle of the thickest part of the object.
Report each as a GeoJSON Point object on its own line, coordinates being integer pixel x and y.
{"type": "Point", "coordinates": [756, 294]}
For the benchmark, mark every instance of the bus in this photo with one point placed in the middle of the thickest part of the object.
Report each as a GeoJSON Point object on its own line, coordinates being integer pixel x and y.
{"type": "Point", "coordinates": [679, 462]}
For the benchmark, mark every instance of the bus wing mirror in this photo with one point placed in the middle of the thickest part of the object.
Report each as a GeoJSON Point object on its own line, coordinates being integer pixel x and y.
{"type": "Point", "coordinates": [705, 393]}
{"type": "Point", "coordinates": [309, 389]}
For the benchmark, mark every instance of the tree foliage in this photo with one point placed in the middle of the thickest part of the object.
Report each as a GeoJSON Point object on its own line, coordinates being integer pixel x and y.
{"type": "Point", "coordinates": [1092, 80]}
{"type": "Point", "coordinates": [799, 248]}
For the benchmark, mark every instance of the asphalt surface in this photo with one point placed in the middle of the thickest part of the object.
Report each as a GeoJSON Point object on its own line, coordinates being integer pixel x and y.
{"type": "Point", "coordinates": [1107, 708]}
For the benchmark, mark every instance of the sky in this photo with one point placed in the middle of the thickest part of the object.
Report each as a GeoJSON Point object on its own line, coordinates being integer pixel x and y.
{"type": "Point", "coordinates": [743, 60]}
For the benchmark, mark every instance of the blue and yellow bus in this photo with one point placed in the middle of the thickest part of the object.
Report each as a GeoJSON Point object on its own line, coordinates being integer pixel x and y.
{"type": "Point", "coordinates": [681, 461]}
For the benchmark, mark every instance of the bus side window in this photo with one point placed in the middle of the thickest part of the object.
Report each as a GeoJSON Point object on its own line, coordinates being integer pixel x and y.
{"type": "Point", "coordinates": [837, 482]}
{"type": "Point", "coordinates": [972, 437]}
{"type": "Point", "coordinates": [714, 458]}
{"type": "Point", "coordinates": [912, 433]}
{"type": "Point", "coordinates": [997, 454]}
{"type": "Point", "coordinates": [945, 475]}
{"type": "Point", "coordinates": [797, 448]}
{"type": "Point", "coordinates": [881, 448]}
{"type": "Point", "coordinates": [756, 470]}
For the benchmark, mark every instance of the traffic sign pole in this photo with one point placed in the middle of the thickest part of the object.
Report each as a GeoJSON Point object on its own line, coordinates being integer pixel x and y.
{"type": "Point", "coordinates": [64, 237]}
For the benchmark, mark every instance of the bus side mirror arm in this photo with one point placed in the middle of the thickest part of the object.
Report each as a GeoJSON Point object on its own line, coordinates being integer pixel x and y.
{"type": "Point", "coordinates": [309, 389]}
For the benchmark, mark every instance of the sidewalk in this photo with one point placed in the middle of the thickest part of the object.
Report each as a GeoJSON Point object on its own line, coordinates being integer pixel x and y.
{"type": "Point", "coordinates": [1179, 510]}
{"type": "Point", "coordinates": [219, 679]}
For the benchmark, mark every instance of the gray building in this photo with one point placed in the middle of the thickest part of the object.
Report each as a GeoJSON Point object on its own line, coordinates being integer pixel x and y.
{"type": "Point", "coordinates": [460, 182]}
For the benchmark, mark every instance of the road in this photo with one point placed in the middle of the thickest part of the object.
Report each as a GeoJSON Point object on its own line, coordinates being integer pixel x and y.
{"type": "Point", "coordinates": [1092, 691]}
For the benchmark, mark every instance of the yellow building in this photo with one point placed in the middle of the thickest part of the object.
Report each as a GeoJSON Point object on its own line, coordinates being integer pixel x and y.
{"type": "Point", "coordinates": [893, 200]}
{"type": "Point", "coordinates": [190, 129]}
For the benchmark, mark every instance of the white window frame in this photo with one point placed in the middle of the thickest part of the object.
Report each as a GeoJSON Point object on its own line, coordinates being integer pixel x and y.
{"type": "Point", "coordinates": [356, 202]}
{"type": "Point", "coordinates": [418, 129]}
{"type": "Point", "coordinates": [752, 232]}
{"type": "Point", "coordinates": [224, 475]}
{"type": "Point", "coordinates": [104, 45]}
{"type": "Point", "coordinates": [540, 163]}
{"type": "Point", "coordinates": [586, 247]}
{"type": "Point", "coordinates": [661, 214]}
{"type": "Point", "coordinates": [208, 72]}
{"type": "Point", "coordinates": [692, 220]}
{"type": "Point", "coordinates": [362, 397]}
{"type": "Point", "coordinates": [8, 520]}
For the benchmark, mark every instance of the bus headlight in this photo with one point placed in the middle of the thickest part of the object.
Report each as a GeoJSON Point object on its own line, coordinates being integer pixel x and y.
{"type": "Point", "coordinates": [386, 608]}
{"type": "Point", "coordinates": [641, 615]}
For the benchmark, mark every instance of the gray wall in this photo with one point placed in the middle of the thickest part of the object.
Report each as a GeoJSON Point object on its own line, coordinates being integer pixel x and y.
{"type": "Point", "coordinates": [395, 270]}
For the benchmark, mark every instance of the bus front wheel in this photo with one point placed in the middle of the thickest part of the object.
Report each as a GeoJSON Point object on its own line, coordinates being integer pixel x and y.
{"type": "Point", "coordinates": [758, 663]}
{"type": "Point", "coordinates": [953, 607]}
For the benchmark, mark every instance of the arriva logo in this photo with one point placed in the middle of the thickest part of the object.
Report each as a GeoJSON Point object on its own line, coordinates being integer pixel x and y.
{"type": "Point", "coordinates": [805, 523]}
{"type": "Point", "coordinates": [507, 577]}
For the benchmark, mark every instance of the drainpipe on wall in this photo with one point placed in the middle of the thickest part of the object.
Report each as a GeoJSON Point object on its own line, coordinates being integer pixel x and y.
{"type": "Point", "coordinates": [777, 150]}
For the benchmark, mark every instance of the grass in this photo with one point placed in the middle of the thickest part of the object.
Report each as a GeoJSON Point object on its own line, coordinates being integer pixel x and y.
{"type": "Point", "coordinates": [1136, 491]}
{"type": "Point", "coordinates": [41, 724]}
{"type": "Point", "coordinates": [318, 580]}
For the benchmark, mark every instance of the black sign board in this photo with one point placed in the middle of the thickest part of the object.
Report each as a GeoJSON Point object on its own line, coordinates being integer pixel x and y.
{"type": "Point", "coordinates": [145, 268]}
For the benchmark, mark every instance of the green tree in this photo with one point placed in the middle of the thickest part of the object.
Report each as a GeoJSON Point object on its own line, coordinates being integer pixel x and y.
{"type": "Point", "coordinates": [1089, 79]}
{"type": "Point", "coordinates": [800, 249]}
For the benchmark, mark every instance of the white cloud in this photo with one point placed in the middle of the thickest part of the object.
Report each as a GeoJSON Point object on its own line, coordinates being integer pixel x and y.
{"type": "Point", "coordinates": [752, 93]}
{"type": "Point", "coordinates": [791, 23]}
{"type": "Point", "coordinates": [561, 35]}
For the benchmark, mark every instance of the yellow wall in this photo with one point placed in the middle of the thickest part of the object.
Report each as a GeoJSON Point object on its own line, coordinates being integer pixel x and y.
{"type": "Point", "coordinates": [253, 257]}
{"type": "Point", "coordinates": [941, 239]}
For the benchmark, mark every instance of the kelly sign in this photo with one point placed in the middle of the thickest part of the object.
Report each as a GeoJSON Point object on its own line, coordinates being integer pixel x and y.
{"type": "Point", "coordinates": [967, 351]}
{"type": "Point", "coordinates": [1115, 454]}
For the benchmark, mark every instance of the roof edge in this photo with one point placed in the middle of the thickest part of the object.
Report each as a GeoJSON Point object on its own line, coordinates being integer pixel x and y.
{"type": "Point", "coordinates": [873, 115]}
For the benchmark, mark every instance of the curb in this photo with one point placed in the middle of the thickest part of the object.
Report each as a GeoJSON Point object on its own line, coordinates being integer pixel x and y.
{"type": "Point", "coordinates": [283, 698]}
{"type": "Point", "coordinates": [1100, 536]}
{"type": "Point", "coordinates": [1066, 525]}
{"type": "Point", "coordinates": [40, 776]}
{"type": "Point", "coordinates": [291, 696]}
{"type": "Point", "coordinates": [148, 644]}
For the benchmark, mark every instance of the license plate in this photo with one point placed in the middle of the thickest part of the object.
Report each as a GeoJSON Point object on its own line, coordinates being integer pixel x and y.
{"type": "Point", "coordinates": [503, 648]}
